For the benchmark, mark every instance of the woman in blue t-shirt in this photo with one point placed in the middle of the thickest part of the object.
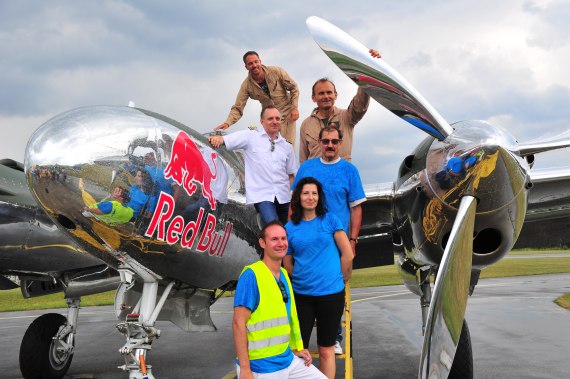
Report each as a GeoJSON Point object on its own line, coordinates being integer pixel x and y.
{"type": "Point", "coordinates": [143, 200]}
{"type": "Point", "coordinates": [319, 261]}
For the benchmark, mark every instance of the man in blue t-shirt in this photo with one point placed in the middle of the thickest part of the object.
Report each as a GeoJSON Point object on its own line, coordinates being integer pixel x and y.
{"type": "Point", "coordinates": [340, 180]}
{"type": "Point", "coordinates": [287, 362]}
{"type": "Point", "coordinates": [342, 187]}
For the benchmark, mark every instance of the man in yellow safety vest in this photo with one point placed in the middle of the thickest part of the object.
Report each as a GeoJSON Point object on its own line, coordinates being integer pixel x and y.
{"type": "Point", "coordinates": [266, 331]}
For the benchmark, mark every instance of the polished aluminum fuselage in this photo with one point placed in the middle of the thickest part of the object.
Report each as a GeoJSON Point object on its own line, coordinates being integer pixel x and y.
{"type": "Point", "coordinates": [200, 232]}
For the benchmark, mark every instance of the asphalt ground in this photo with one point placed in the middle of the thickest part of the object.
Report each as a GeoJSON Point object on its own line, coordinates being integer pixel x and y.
{"type": "Point", "coordinates": [516, 329]}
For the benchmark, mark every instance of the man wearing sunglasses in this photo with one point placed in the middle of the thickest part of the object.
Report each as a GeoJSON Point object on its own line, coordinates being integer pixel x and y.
{"type": "Point", "coordinates": [265, 326]}
{"type": "Point", "coordinates": [341, 185]}
{"type": "Point", "coordinates": [327, 114]}
{"type": "Point", "coordinates": [270, 165]}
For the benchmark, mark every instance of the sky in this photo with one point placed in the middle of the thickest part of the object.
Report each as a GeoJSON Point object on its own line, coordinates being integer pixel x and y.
{"type": "Point", "coordinates": [505, 62]}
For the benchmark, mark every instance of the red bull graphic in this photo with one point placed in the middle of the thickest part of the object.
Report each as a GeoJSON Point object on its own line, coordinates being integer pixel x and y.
{"type": "Point", "coordinates": [188, 168]}
{"type": "Point", "coordinates": [175, 229]}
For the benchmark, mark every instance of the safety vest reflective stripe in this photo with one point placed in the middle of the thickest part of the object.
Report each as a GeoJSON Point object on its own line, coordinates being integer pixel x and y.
{"type": "Point", "coordinates": [268, 342]}
{"type": "Point", "coordinates": [268, 324]}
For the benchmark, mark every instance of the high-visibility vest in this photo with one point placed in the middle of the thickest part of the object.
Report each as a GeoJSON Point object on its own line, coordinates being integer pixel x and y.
{"type": "Point", "coordinates": [269, 331]}
{"type": "Point", "coordinates": [119, 214]}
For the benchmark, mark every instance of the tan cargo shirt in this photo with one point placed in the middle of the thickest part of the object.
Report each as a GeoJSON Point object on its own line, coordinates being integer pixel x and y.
{"type": "Point", "coordinates": [282, 89]}
{"type": "Point", "coordinates": [346, 118]}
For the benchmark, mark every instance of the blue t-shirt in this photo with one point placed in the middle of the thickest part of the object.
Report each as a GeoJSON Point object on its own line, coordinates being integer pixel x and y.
{"type": "Point", "coordinates": [157, 176]}
{"type": "Point", "coordinates": [139, 199]}
{"type": "Point", "coordinates": [316, 271]}
{"type": "Point", "coordinates": [247, 295]}
{"type": "Point", "coordinates": [341, 185]}
{"type": "Point", "coordinates": [105, 207]}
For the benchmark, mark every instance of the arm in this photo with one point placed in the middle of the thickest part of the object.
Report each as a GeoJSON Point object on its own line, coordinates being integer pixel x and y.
{"type": "Point", "coordinates": [291, 179]}
{"type": "Point", "coordinates": [241, 315]}
{"type": "Point", "coordinates": [357, 107]}
{"type": "Point", "coordinates": [293, 89]}
{"type": "Point", "coordinates": [354, 225]}
{"type": "Point", "coordinates": [288, 264]}
{"type": "Point", "coordinates": [346, 253]}
{"type": "Point", "coordinates": [95, 210]}
{"type": "Point", "coordinates": [303, 146]}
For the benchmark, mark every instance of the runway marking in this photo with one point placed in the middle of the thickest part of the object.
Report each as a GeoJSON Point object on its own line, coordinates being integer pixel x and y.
{"type": "Point", "coordinates": [381, 296]}
{"type": "Point", "coordinates": [352, 293]}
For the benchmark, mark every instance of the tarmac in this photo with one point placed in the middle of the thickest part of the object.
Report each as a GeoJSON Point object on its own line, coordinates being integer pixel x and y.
{"type": "Point", "coordinates": [516, 329]}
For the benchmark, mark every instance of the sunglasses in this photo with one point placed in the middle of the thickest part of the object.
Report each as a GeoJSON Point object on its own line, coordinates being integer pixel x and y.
{"type": "Point", "coordinates": [283, 291]}
{"type": "Point", "coordinates": [326, 141]}
{"type": "Point", "coordinates": [272, 145]}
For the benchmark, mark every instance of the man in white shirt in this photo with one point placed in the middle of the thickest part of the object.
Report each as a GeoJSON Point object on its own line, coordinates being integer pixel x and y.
{"type": "Point", "coordinates": [270, 165]}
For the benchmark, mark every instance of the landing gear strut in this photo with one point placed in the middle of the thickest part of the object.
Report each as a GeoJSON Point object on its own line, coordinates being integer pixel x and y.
{"type": "Point", "coordinates": [139, 326]}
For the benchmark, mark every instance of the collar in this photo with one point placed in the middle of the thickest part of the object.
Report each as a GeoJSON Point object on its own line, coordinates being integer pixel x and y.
{"type": "Point", "coordinates": [327, 162]}
{"type": "Point", "coordinates": [335, 113]}
{"type": "Point", "coordinates": [264, 133]}
{"type": "Point", "coordinates": [250, 77]}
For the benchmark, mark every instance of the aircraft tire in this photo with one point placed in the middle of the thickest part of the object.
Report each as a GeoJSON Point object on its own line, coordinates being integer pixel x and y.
{"type": "Point", "coordinates": [38, 359]}
{"type": "Point", "coordinates": [462, 367]}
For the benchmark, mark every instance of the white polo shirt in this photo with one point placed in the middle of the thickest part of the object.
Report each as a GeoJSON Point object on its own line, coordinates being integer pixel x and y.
{"type": "Point", "coordinates": [266, 172]}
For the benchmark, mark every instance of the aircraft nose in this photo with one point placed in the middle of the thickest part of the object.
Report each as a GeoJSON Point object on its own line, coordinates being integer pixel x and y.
{"type": "Point", "coordinates": [485, 168]}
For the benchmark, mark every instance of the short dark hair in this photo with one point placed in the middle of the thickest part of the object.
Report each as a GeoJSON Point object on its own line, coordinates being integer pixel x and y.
{"type": "Point", "coordinates": [321, 80]}
{"type": "Point", "coordinates": [248, 53]}
{"type": "Point", "coordinates": [329, 129]}
{"type": "Point", "coordinates": [296, 209]}
{"type": "Point", "coordinates": [266, 107]}
{"type": "Point", "coordinates": [125, 194]}
{"type": "Point", "coordinates": [270, 223]}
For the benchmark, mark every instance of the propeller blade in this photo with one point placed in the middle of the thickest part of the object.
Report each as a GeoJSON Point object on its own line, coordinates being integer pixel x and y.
{"type": "Point", "coordinates": [377, 78]}
{"type": "Point", "coordinates": [449, 300]}
{"type": "Point", "coordinates": [542, 144]}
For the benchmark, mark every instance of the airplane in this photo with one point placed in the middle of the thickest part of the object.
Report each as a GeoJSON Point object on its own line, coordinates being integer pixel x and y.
{"type": "Point", "coordinates": [458, 205]}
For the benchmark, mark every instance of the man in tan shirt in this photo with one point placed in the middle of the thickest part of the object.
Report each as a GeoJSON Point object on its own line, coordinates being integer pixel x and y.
{"type": "Point", "coordinates": [326, 114]}
{"type": "Point", "coordinates": [271, 86]}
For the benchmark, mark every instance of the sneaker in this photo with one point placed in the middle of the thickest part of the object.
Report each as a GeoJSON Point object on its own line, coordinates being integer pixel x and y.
{"type": "Point", "coordinates": [337, 348]}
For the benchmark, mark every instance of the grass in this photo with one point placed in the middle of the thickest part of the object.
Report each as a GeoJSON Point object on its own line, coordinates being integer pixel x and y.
{"type": "Point", "coordinates": [538, 251]}
{"type": "Point", "coordinates": [563, 301]}
{"type": "Point", "coordinates": [11, 300]}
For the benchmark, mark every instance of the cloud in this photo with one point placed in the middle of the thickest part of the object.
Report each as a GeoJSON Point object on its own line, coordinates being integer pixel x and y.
{"type": "Point", "coordinates": [489, 60]}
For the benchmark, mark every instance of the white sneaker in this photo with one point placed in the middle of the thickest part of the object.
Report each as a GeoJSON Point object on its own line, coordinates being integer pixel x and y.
{"type": "Point", "coordinates": [337, 348]}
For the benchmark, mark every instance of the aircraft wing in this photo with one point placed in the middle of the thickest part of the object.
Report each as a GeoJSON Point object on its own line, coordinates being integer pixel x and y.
{"type": "Point", "coordinates": [548, 214]}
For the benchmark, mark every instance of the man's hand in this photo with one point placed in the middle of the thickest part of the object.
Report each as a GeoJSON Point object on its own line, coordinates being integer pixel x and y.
{"type": "Point", "coordinates": [294, 114]}
{"type": "Point", "coordinates": [245, 373]}
{"type": "Point", "coordinates": [223, 126]}
{"type": "Point", "coordinates": [305, 355]}
{"type": "Point", "coordinates": [216, 141]}
{"type": "Point", "coordinates": [374, 53]}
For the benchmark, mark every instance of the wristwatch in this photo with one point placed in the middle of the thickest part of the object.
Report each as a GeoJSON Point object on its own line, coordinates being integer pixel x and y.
{"type": "Point", "coordinates": [353, 239]}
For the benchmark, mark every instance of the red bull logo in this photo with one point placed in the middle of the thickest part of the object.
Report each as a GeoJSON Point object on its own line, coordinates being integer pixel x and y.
{"type": "Point", "coordinates": [175, 229]}
{"type": "Point", "coordinates": [188, 168]}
